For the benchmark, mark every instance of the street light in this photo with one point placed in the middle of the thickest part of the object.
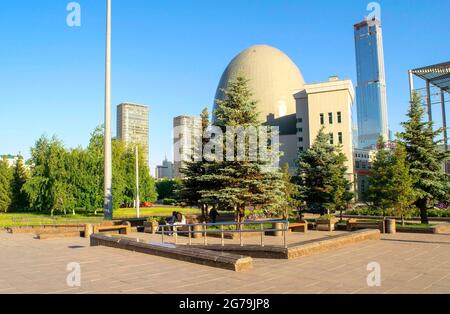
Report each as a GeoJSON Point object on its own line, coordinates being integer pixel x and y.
{"type": "Point", "coordinates": [108, 200]}
{"type": "Point", "coordinates": [138, 202]}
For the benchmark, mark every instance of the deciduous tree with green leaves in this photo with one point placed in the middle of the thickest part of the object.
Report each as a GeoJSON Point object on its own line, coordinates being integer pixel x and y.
{"type": "Point", "coordinates": [291, 192]}
{"type": "Point", "coordinates": [390, 182]}
{"type": "Point", "coordinates": [5, 185]}
{"type": "Point", "coordinates": [402, 183]}
{"type": "Point", "coordinates": [379, 193]}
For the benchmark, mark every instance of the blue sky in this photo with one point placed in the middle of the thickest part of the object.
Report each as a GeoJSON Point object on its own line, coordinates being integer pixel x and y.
{"type": "Point", "coordinates": [170, 55]}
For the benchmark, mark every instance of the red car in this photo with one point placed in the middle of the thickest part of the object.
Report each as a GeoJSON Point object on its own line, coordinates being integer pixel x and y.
{"type": "Point", "coordinates": [146, 205]}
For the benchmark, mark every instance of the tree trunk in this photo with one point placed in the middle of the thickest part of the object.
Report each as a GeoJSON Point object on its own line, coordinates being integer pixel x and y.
{"type": "Point", "coordinates": [202, 206]}
{"type": "Point", "coordinates": [422, 205]}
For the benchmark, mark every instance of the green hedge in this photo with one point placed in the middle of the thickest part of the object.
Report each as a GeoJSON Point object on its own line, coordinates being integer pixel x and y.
{"type": "Point", "coordinates": [368, 211]}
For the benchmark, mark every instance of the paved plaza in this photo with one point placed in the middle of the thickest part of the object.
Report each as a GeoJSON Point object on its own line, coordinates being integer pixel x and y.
{"type": "Point", "coordinates": [410, 263]}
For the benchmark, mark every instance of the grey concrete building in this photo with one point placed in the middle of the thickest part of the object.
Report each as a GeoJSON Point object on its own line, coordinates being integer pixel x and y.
{"type": "Point", "coordinates": [187, 134]}
{"type": "Point", "coordinates": [133, 125]}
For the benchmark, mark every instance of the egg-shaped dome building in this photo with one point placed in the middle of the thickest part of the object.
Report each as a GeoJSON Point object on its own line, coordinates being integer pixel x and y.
{"type": "Point", "coordinates": [273, 79]}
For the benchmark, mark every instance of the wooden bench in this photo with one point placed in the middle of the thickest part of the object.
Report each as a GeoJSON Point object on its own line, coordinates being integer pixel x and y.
{"type": "Point", "coordinates": [354, 224]}
{"type": "Point", "coordinates": [122, 229]}
{"type": "Point", "coordinates": [298, 227]}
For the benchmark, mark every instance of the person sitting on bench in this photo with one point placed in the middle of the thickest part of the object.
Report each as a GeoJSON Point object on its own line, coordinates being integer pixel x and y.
{"type": "Point", "coordinates": [170, 221]}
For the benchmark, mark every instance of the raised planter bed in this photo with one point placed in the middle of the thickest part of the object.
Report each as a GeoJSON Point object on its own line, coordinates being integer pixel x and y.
{"type": "Point", "coordinates": [181, 252]}
{"type": "Point", "coordinates": [437, 229]}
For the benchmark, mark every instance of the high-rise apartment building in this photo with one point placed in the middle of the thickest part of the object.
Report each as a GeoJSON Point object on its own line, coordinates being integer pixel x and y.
{"type": "Point", "coordinates": [133, 126]}
{"type": "Point", "coordinates": [371, 87]}
{"type": "Point", "coordinates": [187, 140]}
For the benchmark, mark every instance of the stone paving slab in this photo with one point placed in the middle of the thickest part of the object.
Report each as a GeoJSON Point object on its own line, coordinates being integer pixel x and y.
{"type": "Point", "coordinates": [410, 263]}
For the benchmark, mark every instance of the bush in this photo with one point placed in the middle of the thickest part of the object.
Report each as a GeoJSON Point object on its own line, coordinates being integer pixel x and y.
{"type": "Point", "coordinates": [326, 217]}
{"type": "Point", "coordinates": [169, 201]}
{"type": "Point", "coordinates": [439, 213]}
{"type": "Point", "coordinates": [365, 211]}
{"type": "Point", "coordinates": [368, 211]}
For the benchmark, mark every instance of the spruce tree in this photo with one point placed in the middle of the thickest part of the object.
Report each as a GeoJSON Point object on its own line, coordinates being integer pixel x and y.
{"type": "Point", "coordinates": [233, 184]}
{"type": "Point", "coordinates": [425, 159]}
{"type": "Point", "coordinates": [20, 176]}
{"type": "Point", "coordinates": [192, 171]}
{"type": "Point", "coordinates": [321, 176]}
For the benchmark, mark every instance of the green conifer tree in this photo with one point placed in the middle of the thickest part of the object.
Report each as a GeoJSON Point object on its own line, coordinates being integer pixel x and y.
{"type": "Point", "coordinates": [20, 176]}
{"type": "Point", "coordinates": [322, 176]}
{"type": "Point", "coordinates": [425, 159]}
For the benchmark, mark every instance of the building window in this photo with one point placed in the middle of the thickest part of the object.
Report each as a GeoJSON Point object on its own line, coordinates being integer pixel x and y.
{"type": "Point", "coordinates": [331, 139]}
{"type": "Point", "coordinates": [357, 164]}
{"type": "Point", "coordinates": [330, 118]}
{"type": "Point", "coordinates": [340, 138]}
{"type": "Point", "coordinates": [300, 139]}
{"type": "Point", "coordinates": [299, 120]}
{"type": "Point", "coordinates": [300, 130]}
{"type": "Point", "coordinates": [322, 119]}
{"type": "Point", "coordinates": [339, 117]}
{"type": "Point", "coordinates": [300, 149]}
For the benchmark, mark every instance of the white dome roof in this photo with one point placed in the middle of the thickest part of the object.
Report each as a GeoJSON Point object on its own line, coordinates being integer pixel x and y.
{"type": "Point", "coordinates": [273, 79]}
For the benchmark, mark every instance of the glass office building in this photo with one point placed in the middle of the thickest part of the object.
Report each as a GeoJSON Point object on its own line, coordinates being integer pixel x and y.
{"type": "Point", "coordinates": [371, 89]}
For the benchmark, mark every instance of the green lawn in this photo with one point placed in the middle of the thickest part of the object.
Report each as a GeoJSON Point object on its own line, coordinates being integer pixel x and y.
{"type": "Point", "coordinates": [27, 219]}
{"type": "Point", "coordinates": [154, 211]}
{"type": "Point", "coordinates": [415, 225]}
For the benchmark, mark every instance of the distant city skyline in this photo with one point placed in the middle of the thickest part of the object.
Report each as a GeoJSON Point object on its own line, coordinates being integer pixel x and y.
{"type": "Point", "coordinates": [61, 68]}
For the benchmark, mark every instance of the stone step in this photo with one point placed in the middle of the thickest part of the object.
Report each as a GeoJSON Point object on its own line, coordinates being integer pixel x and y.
{"type": "Point", "coordinates": [58, 235]}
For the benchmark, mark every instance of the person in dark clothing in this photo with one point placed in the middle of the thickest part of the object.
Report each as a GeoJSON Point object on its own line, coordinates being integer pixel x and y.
{"type": "Point", "coordinates": [213, 215]}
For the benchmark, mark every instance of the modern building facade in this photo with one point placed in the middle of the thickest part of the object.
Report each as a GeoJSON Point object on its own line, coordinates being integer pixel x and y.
{"type": "Point", "coordinates": [363, 159]}
{"type": "Point", "coordinates": [371, 87]}
{"type": "Point", "coordinates": [133, 126]}
{"type": "Point", "coordinates": [164, 171]}
{"type": "Point", "coordinates": [326, 105]}
{"type": "Point", "coordinates": [284, 100]}
{"type": "Point", "coordinates": [187, 138]}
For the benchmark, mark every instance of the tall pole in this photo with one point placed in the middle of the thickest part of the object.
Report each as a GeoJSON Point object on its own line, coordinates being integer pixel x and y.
{"type": "Point", "coordinates": [108, 201]}
{"type": "Point", "coordinates": [444, 120]}
{"type": "Point", "coordinates": [411, 84]}
{"type": "Point", "coordinates": [430, 116]}
{"type": "Point", "coordinates": [138, 204]}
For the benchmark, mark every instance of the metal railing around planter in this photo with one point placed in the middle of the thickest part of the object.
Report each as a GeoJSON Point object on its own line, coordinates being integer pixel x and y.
{"type": "Point", "coordinates": [204, 230]}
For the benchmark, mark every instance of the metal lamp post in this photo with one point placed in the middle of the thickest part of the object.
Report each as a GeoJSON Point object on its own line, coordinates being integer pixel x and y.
{"type": "Point", "coordinates": [138, 204]}
{"type": "Point", "coordinates": [108, 200]}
